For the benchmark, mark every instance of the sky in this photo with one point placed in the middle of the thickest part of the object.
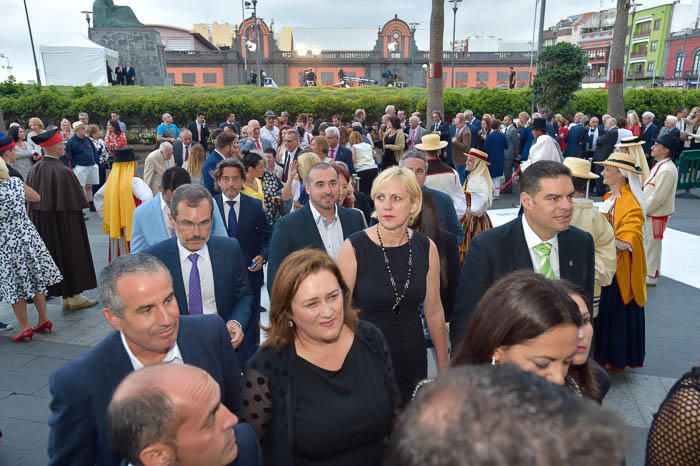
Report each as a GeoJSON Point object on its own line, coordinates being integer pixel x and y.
{"type": "Point", "coordinates": [332, 24]}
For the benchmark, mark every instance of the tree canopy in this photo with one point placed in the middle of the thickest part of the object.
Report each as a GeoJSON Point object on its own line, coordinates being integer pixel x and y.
{"type": "Point", "coordinates": [560, 69]}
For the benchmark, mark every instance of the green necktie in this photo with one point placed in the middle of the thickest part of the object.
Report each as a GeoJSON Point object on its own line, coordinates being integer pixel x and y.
{"type": "Point", "coordinates": [545, 250]}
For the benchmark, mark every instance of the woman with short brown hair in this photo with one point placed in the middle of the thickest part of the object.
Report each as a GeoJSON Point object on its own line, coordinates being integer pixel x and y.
{"type": "Point", "coordinates": [321, 389]}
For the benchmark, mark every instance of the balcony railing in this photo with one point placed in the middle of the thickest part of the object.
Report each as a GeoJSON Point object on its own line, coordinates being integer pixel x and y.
{"type": "Point", "coordinates": [329, 55]}
{"type": "Point", "coordinates": [478, 55]}
{"type": "Point", "coordinates": [639, 54]}
{"type": "Point", "coordinates": [594, 79]}
{"type": "Point", "coordinates": [643, 32]}
{"type": "Point", "coordinates": [641, 75]}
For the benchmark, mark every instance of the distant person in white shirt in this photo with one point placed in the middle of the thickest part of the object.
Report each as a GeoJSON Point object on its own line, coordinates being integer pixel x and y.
{"type": "Point", "coordinates": [544, 148]}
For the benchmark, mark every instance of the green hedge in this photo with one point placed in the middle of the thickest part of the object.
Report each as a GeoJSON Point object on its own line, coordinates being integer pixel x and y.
{"type": "Point", "coordinates": [141, 107]}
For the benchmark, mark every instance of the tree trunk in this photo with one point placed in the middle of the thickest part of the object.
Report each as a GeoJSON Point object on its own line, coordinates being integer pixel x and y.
{"type": "Point", "coordinates": [437, 27]}
{"type": "Point", "coordinates": [616, 97]}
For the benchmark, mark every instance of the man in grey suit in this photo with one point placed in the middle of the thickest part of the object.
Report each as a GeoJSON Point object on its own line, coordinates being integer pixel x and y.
{"type": "Point", "coordinates": [415, 132]}
{"type": "Point", "coordinates": [511, 152]}
{"type": "Point", "coordinates": [254, 141]}
{"type": "Point", "coordinates": [182, 148]}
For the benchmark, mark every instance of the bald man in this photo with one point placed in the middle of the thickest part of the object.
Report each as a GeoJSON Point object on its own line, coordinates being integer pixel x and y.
{"type": "Point", "coordinates": [172, 414]}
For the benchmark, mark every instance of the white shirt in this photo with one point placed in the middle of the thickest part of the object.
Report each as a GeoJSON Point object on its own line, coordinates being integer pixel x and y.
{"type": "Point", "coordinates": [331, 234]}
{"type": "Point", "coordinates": [173, 357]}
{"type": "Point", "coordinates": [206, 276]}
{"type": "Point", "coordinates": [139, 188]}
{"type": "Point", "coordinates": [533, 240]}
{"type": "Point", "coordinates": [544, 148]}
{"type": "Point", "coordinates": [227, 208]}
{"type": "Point", "coordinates": [166, 216]}
{"type": "Point", "coordinates": [448, 183]}
{"type": "Point", "coordinates": [623, 133]}
{"type": "Point", "coordinates": [270, 135]}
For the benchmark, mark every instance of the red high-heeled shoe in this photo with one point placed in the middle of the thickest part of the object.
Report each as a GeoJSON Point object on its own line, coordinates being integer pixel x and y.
{"type": "Point", "coordinates": [43, 327]}
{"type": "Point", "coordinates": [27, 333]}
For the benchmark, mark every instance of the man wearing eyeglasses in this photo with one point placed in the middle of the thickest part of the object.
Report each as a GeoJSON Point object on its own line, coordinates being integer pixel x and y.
{"type": "Point", "coordinates": [209, 273]}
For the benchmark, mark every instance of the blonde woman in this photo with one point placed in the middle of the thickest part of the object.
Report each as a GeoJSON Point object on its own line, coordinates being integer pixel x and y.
{"type": "Point", "coordinates": [66, 130]}
{"type": "Point", "coordinates": [195, 164]}
{"type": "Point", "coordinates": [633, 123]}
{"type": "Point", "coordinates": [294, 187]}
{"type": "Point", "coordinates": [392, 271]}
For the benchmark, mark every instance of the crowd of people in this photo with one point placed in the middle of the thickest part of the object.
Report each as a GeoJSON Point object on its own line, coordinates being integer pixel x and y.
{"type": "Point", "coordinates": [379, 256]}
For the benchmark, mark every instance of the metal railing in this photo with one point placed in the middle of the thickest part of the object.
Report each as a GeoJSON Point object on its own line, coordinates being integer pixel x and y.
{"type": "Point", "coordinates": [329, 55]}
{"type": "Point", "coordinates": [642, 33]}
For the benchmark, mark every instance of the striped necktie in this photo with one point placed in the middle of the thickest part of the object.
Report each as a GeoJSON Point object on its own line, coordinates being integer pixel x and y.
{"type": "Point", "coordinates": [545, 252]}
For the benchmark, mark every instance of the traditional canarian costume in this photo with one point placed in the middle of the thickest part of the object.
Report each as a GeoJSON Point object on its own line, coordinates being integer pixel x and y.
{"type": "Point", "coordinates": [118, 198]}
{"type": "Point", "coordinates": [587, 217]}
{"type": "Point", "coordinates": [478, 189]}
{"type": "Point", "coordinates": [619, 327]}
{"type": "Point", "coordinates": [660, 195]}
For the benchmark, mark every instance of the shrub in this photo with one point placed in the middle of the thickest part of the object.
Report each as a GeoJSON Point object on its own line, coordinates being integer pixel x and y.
{"type": "Point", "coordinates": [141, 107]}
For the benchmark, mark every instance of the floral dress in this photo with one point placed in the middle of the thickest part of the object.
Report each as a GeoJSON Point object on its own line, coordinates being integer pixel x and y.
{"type": "Point", "coordinates": [25, 264]}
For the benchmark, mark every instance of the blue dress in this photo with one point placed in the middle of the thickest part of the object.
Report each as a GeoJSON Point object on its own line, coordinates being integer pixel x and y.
{"type": "Point", "coordinates": [496, 145]}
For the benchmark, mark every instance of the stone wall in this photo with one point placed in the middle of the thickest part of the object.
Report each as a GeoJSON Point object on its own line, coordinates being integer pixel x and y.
{"type": "Point", "coordinates": [141, 47]}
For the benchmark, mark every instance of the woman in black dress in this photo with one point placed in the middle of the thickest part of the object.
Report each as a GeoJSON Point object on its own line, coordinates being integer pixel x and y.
{"type": "Point", "coordinates": [394, 143]}
{"type": "Point", "coordinates": [392, 270]}
{"type": "Point", "coordinates": [321, 389]}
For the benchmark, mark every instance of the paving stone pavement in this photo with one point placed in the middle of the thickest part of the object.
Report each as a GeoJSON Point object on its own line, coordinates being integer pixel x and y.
{"type": "Point", "coordinates": [672, 323]}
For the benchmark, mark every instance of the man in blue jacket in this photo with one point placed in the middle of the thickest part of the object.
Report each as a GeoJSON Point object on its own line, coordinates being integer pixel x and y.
{"type": "Point", "coordinates": [139, 302]}
{"type": "Point", "coordinates": [82, 158]}
{"type": "Point", "coordinates": [575, 139]}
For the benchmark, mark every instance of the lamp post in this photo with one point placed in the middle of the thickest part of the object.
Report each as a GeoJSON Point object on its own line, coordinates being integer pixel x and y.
{"type": "Point", "coordinates": [258, 41]}
{"type": "Point", "coordinates": [87, 17]}
{"type": "Point", "coordinates": [413, 48]}
{"type": "Point", "coordinates": [455, 6]}
{"type": "Point", "coordinates": [31, 39]}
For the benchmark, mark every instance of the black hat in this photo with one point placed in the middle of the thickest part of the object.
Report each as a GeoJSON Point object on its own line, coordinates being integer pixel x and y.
{"type": "Point", "coordinates": [125, 155]}
{"type": "Point", "coordinates": [540, 124]}
{"type": "Point", "coordinates": [669, 142]}
{"type": "Point", "coordinates": [48, 138]}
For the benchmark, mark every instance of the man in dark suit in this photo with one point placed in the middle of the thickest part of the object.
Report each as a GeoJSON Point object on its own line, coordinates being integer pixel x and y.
{"type": "Point", "coordinates": [440, 127]}
{"type": "Point", "coordinates": [199, 130]}
{"type": "Point", "coordinates": [231, 122]}
{"type": "Point", "coordinates": [130, 75]}
{"type": "Point", "coordinates": [246, 221]}
{"type": "Point", "coordinates": [541, 240]}
{"type": "Point", "coordinates": [593, 134]}
{"type": "Point", "coordinates": [649, 132]}
{"type": "Point", "coordinates": [223, 145]}
{"type": "Point", "coordinates": [172, 414]}
{"type": "Point", "coordinates": [575, 140]}
{"type": "Point", "coordinates": [319, 224]}
{"type": "Point", "coordinates": [336, 151]}
{"type": "Point", "coordinates": [139, 302]}
{"type": "Point", "coordinates": [291, 152]}
{"type": "Point", "coordinates": [119, 73]}
{"type": "Point", "coordinates": [182, 148]}
{"type": "Point", "coordinates": [604, 147]}
{"type": "Point", "coordinates": [474, 126]}
{"type": "Point", "coordinates": [209, 273]}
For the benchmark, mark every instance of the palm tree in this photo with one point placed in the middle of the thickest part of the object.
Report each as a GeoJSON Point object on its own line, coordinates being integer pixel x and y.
{"type": "Point", "coordinates": [616, 96]}
{"type": "Point", "coordinates": [437, 27]}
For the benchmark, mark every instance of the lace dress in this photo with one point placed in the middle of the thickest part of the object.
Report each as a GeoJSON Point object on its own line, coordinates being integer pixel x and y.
{"type": "Point", "coordinates": [674, 437]}
{"type": "Point", "coordinates": [25, 264]}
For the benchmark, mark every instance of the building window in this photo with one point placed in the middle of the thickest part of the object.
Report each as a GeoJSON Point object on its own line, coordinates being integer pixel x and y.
{"type": "Point", "coordinates": [657, 24]}
{"type": "Point", "coordinates": [189, 78]}
{"type": "Point", "coordinates": [210, 78]}
{"type": "Point", "coordinates": [327, 77]}
{"type": "Point", "coordinates": [502, 76]}
{"type": "Point", "coordinates": [523, 76]}
{"type": "Point", "coordinates": [482, 76]}
{"type": "Point", "coordinates": [696, 63]}
{"type": "Point", "coordinates": [650, 67]}
{"type": "Point", "coordinates": [654, 44]}
{"type": "Point", "coordinates": [680, 61]}
{"type": "Point", "coordinates": [444, 76]}
{"type": "Point", "coordinates": [462, 77]}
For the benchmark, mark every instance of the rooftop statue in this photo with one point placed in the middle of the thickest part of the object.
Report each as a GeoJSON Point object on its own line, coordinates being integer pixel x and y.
{"type": "Point", "coordinates": [106, 14]}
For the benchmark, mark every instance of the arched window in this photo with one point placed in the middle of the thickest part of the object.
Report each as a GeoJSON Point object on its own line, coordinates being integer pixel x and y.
{"type": "Point", "coordinates": [680, 61]}
{"type": "Point", "coordinates": [696, 63]}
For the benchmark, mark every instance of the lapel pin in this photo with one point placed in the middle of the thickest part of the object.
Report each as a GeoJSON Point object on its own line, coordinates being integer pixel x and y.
{"type": "Point", "coordinates": [571, 263]}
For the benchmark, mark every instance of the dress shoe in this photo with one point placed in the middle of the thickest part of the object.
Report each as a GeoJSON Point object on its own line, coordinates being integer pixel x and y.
{"type": "Point", "coordinates": [26, 333]}
{"type": "Point", "coordinates": [43, 327]}
{"type": "Point", "coordinates": [5, 327]}
{"type": "Point", "coordinates": [651, 281]}
{"type": "Point", "coordinates": [78, 302]}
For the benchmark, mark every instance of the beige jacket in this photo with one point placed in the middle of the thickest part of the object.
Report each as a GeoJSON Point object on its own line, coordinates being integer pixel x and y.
{"type": "Point", "coordinates": [587, 217]}
{"type": "Point", "coordinates": [660, 189]}
{"type": "Point", "coordinates": [153, 169]}
{"type": "Point", "coordinates": [461, 145]}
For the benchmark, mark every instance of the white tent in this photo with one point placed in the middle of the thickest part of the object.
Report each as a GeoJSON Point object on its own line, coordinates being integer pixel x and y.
{"type": "Point", "coordinates": [77, 61]}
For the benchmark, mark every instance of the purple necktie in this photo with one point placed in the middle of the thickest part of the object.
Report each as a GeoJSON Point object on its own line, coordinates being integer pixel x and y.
{"type": "Point", "coordinates": [195, 304]}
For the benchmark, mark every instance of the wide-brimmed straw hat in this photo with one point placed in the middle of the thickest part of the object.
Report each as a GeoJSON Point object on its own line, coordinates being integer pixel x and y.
{"type": "Point", "coordinates": [479, 155]}
{"type": "Point", "coordinates": [630, 141]}
{"type": "Point", "coordinates": [623, 161]}
{"type": "Point", "coordinates": [580, 168]}
{"type": "Point", "coordinates": [78, 124]}
{"type": "Point", "coordinates": [431, 142]}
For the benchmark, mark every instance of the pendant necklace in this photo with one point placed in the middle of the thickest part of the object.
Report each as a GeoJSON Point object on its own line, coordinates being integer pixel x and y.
{"type": "Point", "coordinates": [396, 308]}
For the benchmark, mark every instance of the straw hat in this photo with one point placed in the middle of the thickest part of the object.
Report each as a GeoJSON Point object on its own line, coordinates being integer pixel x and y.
{"type": "Point", "coordinates": [479, 155]}
{"type": "Point", "coordinates": [78, 124]}
{"type": "Point", "coordinates": [623, 161]}
{"type": "Point", "coordinates": [580, 168]}
{"type": "Point", "coordinates": [630, 141]}
{"type": "Point", "coordinates": [431, 142]}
